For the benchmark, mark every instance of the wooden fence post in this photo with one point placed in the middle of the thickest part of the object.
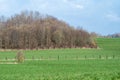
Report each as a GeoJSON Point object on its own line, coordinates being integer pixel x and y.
{"type": "Point", "coordinates": [85, 57]}
{"type": "Point", "coordinates": [65, 57]}
{"type": "Point", "coordinates": [6, 58]}
{"type": "Point", "coordinates": [113, 56]}
{"type": "Point", "coordinates": [58, 57]}
{"type": "Point", "coordinates": [49, 57]}
{"type": "Point", "coordinates": [41, 57]}
{"type": "Point", "coordinates": [93, 57]}
{"type": "Point", "coordinates": [100, 57]}
{"type": "Point", "coordinates": [106, 57]}
{"type": "Point", "coordinates": [33, 57]}
{"type": "Point", "coordinates": [76, 57]}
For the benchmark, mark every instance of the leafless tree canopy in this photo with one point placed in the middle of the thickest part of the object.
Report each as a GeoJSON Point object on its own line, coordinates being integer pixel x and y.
{"type": "Point", "coordinates": [31, 30]}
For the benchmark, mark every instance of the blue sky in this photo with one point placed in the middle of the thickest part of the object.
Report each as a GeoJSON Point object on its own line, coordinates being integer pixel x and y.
{"type": "Point", "coordinates": [100, 16]}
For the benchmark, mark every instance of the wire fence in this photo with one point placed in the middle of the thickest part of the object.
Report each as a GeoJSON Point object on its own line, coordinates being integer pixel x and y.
{"type": "Point", "coordinates": [100, 57]}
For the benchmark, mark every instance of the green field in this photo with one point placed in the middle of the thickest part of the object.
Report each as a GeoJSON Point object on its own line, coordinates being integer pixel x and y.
{"type": "Point", "coordinates": [65, 64]}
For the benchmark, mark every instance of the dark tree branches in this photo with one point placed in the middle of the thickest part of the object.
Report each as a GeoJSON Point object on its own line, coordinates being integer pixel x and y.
{"type": "Point", "coordinates": [31, 30]}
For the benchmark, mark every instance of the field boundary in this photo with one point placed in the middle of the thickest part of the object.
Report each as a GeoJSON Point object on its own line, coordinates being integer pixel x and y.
{"type": "Point", "coordinates": [63, 58]}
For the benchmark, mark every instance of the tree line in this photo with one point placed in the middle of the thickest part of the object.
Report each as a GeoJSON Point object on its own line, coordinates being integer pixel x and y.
{"type": "Point", "coordinates": [32, 30]}
{"type": "Point", "coordinates": [116, 35]}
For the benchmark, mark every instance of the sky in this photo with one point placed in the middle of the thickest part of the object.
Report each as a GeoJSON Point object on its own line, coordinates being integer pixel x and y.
{"type": "Point", "coordinates": [100, 16]}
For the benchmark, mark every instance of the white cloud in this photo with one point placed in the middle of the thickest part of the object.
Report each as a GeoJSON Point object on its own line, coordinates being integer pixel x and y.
{"type": "Point", "coordinates": [65, 1]}
{"type": "Point", "coordinates": [113, 17]}
{"type": "Point", "coordinates": [78, 6]}
{"type": "Point", "coordinates": [74, 4]}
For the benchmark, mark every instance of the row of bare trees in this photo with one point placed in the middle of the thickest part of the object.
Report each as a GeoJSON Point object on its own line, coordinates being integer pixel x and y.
{"type": "Point", "coordinates": [31, 30]}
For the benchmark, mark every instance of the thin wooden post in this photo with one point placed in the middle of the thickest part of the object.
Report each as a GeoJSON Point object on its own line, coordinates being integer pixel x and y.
{"type": "Point", "coordinates": [65, 57]}
{"type": "Point", "coordinates": [106, 57]}
{"type": "Point", "coordinates": [41, 57]}
{"type": "Point", "coordinates": [113, 56]}
{"type": "Point", "coordinates": [100, 57]}
{"type": "Point", "coordinates": [76, 57]}
{"type": "Point", "coordinates": [93, 57]}
{"type": "Point", "coordinates": [6, 58]}
{"type": "Point", "coordinates": [85, 57]}
{"type": "Point", "coordinates": [33, 57]}
{"type": "Point", "coordinates": [49, 57]}
{"type": "Point", "coordinates": [58, 57]}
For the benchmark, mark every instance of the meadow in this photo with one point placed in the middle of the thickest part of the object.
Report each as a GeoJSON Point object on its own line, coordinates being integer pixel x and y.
{"type": "Point", "coordinates": [65, 64]}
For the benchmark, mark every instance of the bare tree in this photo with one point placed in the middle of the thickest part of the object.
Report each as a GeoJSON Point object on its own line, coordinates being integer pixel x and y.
{"type": "Point", "coordinates": [31, 30]}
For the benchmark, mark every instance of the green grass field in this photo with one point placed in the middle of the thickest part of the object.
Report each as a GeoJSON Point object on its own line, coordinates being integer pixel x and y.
{"type": "Point", "coordinates": [73, 64]}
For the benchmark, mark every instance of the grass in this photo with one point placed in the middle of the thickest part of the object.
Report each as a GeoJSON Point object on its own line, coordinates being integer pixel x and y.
{"type": "Point", "coordinates": [109, 44]}
{"type": "Point", "coordinates": [108, 47]}
{"type": "Point", "coordinates": [70, 66]}
{"type": "Point", "coordinates": [62, 70]}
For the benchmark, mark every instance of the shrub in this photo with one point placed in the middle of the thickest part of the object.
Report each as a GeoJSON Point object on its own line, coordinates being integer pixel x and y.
{"type": "Point", "coordinates": [20, 57]}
